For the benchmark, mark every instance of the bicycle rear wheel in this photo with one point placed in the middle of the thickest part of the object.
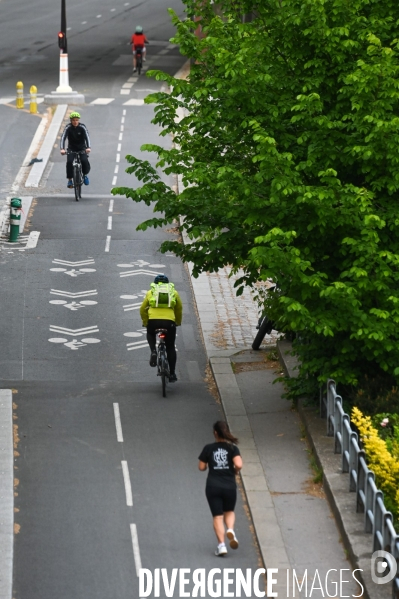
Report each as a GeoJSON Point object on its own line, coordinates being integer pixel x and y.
{"type": "Point", "coordinates": [77, 183]}
{"type": "Point", "coordinates": [163, 372]}
{"type": "Point", "coordinates": [139, 64]}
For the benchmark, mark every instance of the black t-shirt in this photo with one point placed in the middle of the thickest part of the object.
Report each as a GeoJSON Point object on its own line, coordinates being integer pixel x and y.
{"type": "Point", "coordinates": [219, 457]}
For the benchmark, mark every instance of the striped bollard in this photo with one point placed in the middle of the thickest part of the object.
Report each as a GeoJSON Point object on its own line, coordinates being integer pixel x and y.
{"type": "Point", "coordinates": [20, 95]}
{"type": "Point", "coordinates": [33, 99]}
{"type": "Point", "coordinates": [15, 218]}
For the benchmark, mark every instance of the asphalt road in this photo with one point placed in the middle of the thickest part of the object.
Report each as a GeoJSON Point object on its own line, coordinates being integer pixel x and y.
{"type": "Point", "coordinates": [99, 31]}
{"type": "Point", "coordinates": [73, 349]}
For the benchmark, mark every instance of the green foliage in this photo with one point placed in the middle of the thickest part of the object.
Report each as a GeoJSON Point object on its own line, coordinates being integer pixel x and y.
{"type": "Point", "coordinates": [288, 152]}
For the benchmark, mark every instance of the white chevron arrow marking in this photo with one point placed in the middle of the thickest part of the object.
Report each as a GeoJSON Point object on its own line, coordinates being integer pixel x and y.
{"type": "Point", "coordinates": [129, 307]}
{"type": "Point", "coordinates": [74, 295]}
{"type": "Point", "coordinates": [74, 332]}
{"type": "Point", "coordinates": [141, 271]}
{"type": "Point", "coordinates": [78, 263]}
{"type": "Point", "coordinates": [136, 345]}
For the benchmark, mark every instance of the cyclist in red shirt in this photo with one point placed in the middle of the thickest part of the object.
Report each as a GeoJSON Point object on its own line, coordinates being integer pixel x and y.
{"type": "Point", "coordinates": [138, 40]}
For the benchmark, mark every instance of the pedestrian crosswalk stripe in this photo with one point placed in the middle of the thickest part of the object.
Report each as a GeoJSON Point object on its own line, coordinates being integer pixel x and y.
{"type": "Point", "coordinates": [102, 101]}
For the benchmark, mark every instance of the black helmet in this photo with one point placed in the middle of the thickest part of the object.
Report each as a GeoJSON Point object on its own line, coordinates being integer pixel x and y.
{"type": "Point", "coordinates": [161, 279]}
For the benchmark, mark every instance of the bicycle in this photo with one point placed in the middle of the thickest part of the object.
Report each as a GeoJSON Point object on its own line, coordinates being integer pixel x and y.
{"type": "Point", "coordinates": [139, 59]}
{"type": "Point", "coordinates": [162, 359]}
{"type": "Point", "coordinates": [77, 174]}
{"type": "Point", "coordinates": [265, 326]}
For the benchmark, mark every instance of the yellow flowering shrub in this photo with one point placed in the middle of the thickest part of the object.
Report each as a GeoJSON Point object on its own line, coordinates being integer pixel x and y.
{"type": "Point", "coordinates": [384, 465]}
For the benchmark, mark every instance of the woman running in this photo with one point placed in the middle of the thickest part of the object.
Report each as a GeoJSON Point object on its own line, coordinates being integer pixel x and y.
{"type": "Point", "coordinates": [224, 461]}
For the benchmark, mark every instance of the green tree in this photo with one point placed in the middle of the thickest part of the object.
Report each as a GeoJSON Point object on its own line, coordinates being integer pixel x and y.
{"type": "Point", "coordinates": [288, 152]}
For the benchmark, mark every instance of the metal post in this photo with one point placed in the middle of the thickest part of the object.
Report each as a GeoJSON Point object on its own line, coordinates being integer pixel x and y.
{"type": "Point", "coordinates": [330, 407]}
{"type": "Point", "coordinates": [15, 218]}
{"type": "Point", "coordinates": [64, 25]}
{"type": "Point", "coordinates": [64, 86]}
{"type": "Point", "coordinates": [20, 95]}
{"type": "Point", "coordinates": [33, 99]}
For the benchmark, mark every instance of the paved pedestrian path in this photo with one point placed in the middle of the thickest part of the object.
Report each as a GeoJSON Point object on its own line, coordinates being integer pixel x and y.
{"type": "Point", "coordinates": [236, 317]}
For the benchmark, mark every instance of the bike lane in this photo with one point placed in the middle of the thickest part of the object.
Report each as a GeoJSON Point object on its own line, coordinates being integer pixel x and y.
{"type": "Point", "coordinates": [78, 349]}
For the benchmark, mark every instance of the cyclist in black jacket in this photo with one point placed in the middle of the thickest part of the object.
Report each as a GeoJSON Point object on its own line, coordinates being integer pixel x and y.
{"type": "Point", "coordinates": [78, 140]}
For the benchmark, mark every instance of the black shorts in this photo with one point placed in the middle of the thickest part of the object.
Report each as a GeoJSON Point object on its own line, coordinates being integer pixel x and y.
{"type": "Point", "coordinates": [221, 500]}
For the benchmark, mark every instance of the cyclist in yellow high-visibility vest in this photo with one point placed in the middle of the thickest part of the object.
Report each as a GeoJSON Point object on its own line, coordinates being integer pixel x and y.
{"type": "Point", "coordinates": [156, 314]}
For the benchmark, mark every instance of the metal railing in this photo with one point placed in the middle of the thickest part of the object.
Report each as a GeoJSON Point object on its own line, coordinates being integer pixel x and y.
{"type": "Point", "coordinates": [378, 521]}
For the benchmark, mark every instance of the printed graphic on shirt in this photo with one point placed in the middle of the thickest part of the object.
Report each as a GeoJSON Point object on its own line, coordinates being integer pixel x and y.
{"type": "Point", "coordinates": [220, 456]}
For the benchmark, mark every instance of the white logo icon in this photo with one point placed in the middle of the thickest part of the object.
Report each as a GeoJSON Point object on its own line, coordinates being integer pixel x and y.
{"type": "Point", "coordinates": [75, 343]}
{"type": "Point", "coordinates": [383, 563]}
{"type": "Point", "coordinates": [73, 272]}
{"type": "Point", "coordinates": [220, 457]}
{"type": "Point", "coordinates": [73, 305]}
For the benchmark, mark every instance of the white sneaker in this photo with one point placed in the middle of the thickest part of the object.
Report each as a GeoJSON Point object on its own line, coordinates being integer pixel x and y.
{"type": "Point", "coordinates": [232, 538]}
{"type": "Point", "coordinates": [221, 551]}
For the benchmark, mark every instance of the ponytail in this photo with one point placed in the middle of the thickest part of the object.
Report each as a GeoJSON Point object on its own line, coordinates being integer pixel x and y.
{"type": "Point", "coordinates": [221, 428]}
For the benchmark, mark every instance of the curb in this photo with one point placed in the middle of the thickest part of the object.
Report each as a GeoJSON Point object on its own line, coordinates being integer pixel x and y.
{"type": "Point", "coordinates": [6, 494]}
{"type": "Point", "coordinates": [356, 542]}
{"type": "Point", "coordinates": [260, 501]}
{"type": "Point", "coordinates": [38, 168]}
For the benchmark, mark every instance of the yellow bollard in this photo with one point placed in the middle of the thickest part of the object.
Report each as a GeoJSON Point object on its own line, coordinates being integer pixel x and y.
{"type": "Point", "coordinates": [20, 95]}
{"type": "Point", "coordinates": [33, 99]}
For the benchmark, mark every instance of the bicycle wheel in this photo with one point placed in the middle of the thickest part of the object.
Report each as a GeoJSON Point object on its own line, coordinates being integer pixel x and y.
{"type": "Point", "coordinates": [163, 374]}
{"type": "Point", "coordinates": [265, 327]}
{"type": "Point", "coordinates": [139, 64]}
{"type": "Point", "coordinates": [77, 183]}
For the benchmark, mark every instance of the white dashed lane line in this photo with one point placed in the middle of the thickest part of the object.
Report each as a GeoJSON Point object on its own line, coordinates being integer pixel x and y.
{"type": "Point", "coordinates": [128, 486]}
{"type": "Point", "coordinates": [136, 549]}
{"type": "Point", "coordinates": [118, 423]}
{"type": "Point", "coordinates": [115, 178]}
{"type": "Point", "coordinates": [128, 490]}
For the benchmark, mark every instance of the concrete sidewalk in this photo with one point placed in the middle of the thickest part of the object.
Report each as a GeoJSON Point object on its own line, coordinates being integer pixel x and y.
{"type": "Point", "coordinates": [293, 518]}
